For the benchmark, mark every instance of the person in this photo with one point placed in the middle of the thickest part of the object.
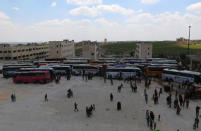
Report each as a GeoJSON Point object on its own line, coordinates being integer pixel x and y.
{"type": "Point", "coordinates": [178, 110]}
{"type": "Point", "coordinates": [69, 93]}
{"type": "Point", "coordinates": [197, 110]}
{"type": "Point", "coordinates": [152, 116]}
{"type": "Point", "coordinates": [160, 92]}
{"type": "Point", "coordinates": [145, 91]}
{"type": "Point", "coordinates": [180, 100]}
{"type": "Point", "coordinates": [151, 124]}
{"type": "Point", "coordinates": [175, 103]}
{"type": "Point", "coordinates": [83, 74]}
{"type": "Point", "coordinates": [111, 80]}
{"type": "Point", "coordinates": [104, 78]}
{"type": "Point", "coordinates": [146, 98]}
{"type": "Point", "coordinates": [176, 94]}
{"type": "Point", "coordinates": [75, 107]}
{"type": "Point", "coordinates": [119, 89]}
{"type": "Point", "coordinates": [87, 112]}
{"type": "Point", "coordinates": [118, 105]}
{"type": "Point", "coordinates": [111, 97]}
{"type": "Point", "coordinates": [154, 125]}
{"type": "Point", "coordinates": [93, 107]}
{"type": "Point", "coordinates": [187, 103]}
{"type": "Point", "coordinates": [12, 97]}
{"type": "Point", "coordinates": [196, 122]}
{"type": "Point", "coordinates": [46, 97]}
{"type": "Point", "coordinates": [147, 117]}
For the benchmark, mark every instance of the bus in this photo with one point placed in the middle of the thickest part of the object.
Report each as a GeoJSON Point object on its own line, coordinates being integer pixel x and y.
{"type": "Point", "coordinates": [61, 69]}
{"type": "Point", "coordinates": [157, 70]}
{"type": "Point", "coordinates": [78, 69]}
{"type": "Point", "coordinates": [50, 70]}
{"type": "Point", "coordinates": [40, 63]}
{"type": "Point", "coordinates": [32, 77]}
{"type": "Point", "coordinates": [122, 72]}
{"type": "Point", "coordinates": [9, 70]}
{"type": "Point", "coordinates": [181, 76]}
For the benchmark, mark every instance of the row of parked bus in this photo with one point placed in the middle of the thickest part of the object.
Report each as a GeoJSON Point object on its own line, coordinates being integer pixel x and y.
{"type": "Point", "coordinates": [165, 69]}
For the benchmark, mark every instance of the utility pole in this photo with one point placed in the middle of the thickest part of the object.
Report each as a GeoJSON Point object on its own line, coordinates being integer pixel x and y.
{"type": "Point", "coordinates": [189, 39]}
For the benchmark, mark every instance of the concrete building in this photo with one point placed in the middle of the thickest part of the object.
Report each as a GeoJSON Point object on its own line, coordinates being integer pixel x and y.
{"type": "Point", "coordinates": [90, 50]}
{"type": "Point", "coordinates": [23, 52]}
{"type": "Point", "coordinates": [61, 49]}
{"type": "Point", "coordinates": [182, 40]}
{"type": "Point", "coordinates": [32, 51]}
{"type": "Point", "coordinates": [143, 51]}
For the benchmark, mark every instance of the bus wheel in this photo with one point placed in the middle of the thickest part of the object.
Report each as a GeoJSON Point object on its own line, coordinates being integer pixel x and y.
{"type": "Point", "coordinates": [36, 82]}
{"type": "Point", "coordinates": [44, 81]}
{"type": "Point", "coordinates": [18, 82]}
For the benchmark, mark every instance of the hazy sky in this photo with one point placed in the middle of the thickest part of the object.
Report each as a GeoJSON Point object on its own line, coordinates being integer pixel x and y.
{"type": "Point", "coordinates": [44, 20]}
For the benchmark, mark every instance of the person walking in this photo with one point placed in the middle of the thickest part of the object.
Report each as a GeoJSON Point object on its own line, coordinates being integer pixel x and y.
{"type": "Point", "coordinates": [46, 99]}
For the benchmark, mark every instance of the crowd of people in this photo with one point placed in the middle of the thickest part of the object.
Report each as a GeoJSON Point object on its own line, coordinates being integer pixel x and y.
{"type": "Point", "coordinates": [179, 100]}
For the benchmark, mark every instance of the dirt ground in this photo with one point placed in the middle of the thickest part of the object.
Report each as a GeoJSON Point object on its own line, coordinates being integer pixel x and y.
{"type": "Point", "coordinates": [31, 113]}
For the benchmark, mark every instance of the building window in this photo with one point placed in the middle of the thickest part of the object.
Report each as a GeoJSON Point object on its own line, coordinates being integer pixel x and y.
{"type": "Point", "coordinates": [57, 52]}
{"type": "Point", "coordinates": [5, 52]}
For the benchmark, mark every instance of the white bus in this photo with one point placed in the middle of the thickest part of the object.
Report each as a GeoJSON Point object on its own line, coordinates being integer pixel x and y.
{"type": "Point", "coordinates": [181, 76]}
{"type": "Point", "coordinates": [79, 68]}
{"type": "Point", "coordinates": [122, 72]}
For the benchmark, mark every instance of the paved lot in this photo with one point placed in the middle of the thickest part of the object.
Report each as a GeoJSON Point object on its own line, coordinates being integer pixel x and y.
{"type": "Point", "coordinates": [31, 113]}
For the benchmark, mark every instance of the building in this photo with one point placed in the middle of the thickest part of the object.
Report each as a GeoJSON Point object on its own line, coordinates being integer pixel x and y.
{"type": "Point", "coordinates": [143, 51]}
{"type": "Point", "coordinates": [35, 51]}
{"type": "Point", "coordinates": [61, 49]}
{"type": "Point", "coordinates": [182, 40]}
{"type": "Point", "coordinates": [23, 52]}
{"type": "Point", "coordinates": [90, 50]}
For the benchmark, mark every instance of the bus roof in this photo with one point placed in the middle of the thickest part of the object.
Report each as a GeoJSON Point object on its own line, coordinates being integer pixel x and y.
{"type": "Point", "coordinates": [32, 72]}
{"type": "Point", "coordinates": [183, 71]}
{"type": "Point", "coordinates": [123, 68]}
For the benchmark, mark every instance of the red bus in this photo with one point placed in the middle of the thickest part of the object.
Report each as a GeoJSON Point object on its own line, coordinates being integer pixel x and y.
{"type": "Point", "coordinates": [32, 77]}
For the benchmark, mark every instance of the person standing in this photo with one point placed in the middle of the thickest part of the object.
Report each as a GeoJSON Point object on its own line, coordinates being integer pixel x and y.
{"type": "Point", "coordinates": [147, 117]}
{"type": "Point", "coordinates": [196, 122]}
{"type": "Point", "coordinates": [197, 111]}
{"type": "Point", "coordinates": [111, 97]}
{"type": "Point", "coordinates": [159, 117]}
{"type": "Point", "coordinates": [94, 107]}
{"type": "Point", "coordinates": [75, 107]}
{"type": "Point", "coordinates": [187, 103]}
{"type": "Point", "coordinates": [146, 98]}
{"type": "Point", "coordinates": [118, 105]}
